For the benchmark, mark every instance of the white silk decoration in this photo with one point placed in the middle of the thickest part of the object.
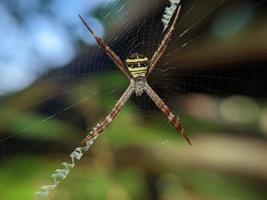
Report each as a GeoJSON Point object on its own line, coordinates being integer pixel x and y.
{"type": "Point", "coordinates": [62, 173]}
{"type": "Point", "coordinates": [168, 13]}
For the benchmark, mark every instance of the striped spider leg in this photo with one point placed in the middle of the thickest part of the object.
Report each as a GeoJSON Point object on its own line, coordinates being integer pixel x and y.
{"type": "Point", "coordinates": [163, 45]}
{"type": "Point", "coordinates": [151, 93]}
{"type": "Point", "coordinates": [164, 108]}
{"type": "Point", "coordinates": [116, 109]}
{"type": "Point", "coordinates": [116, 59]}
{"type": "Point", "coordinates": [139, 68]}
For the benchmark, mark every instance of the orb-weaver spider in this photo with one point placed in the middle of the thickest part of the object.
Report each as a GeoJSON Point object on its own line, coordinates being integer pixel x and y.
{"type": "Point", "coordinates": [138, 67]}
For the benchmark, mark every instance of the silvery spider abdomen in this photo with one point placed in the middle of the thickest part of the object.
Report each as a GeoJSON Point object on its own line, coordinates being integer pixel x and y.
{"type": "Point", "coordinates": [140, 85]}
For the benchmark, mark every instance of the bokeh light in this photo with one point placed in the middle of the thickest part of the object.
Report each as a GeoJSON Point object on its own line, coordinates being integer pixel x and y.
{"type": "Point", "coordinates": [36, 36]}
{"type": "Point", "coordinates": [231, 20]}
{"type": "Point", "coordinates": [240, 110]}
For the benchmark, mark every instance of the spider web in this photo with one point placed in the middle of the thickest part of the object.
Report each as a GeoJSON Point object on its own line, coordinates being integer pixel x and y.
{"type": "Point", "coordinates": [179, 77]}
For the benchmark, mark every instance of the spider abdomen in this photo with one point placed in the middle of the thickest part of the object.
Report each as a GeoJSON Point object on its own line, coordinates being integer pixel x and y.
{"type": "Point", "coordinates": [137, 71]}
{"type": "Point", "coordinates": [137, 65]}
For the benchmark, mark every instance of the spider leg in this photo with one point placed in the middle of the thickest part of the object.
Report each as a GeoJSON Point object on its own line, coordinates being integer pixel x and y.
{"type": "Point", "coordinates": [164, 108]}
{"type": "Point", "coordinates": [116, 59]}
{"type": "Point", "coordinates": [109, 118]}
{"type": "Point", "coordinates": [163, 45]}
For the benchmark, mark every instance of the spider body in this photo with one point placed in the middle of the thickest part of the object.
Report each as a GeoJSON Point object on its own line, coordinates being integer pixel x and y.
{"type": "Point", "coordinates": [136, 68]}
{"type": "Point", "coordinates": [139, 85]}
{"type": "Point", "coordinates": [137, 65]}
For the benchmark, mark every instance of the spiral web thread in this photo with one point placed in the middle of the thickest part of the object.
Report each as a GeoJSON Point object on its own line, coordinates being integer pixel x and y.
{"type": "Point", "coordinates": [61, 173]}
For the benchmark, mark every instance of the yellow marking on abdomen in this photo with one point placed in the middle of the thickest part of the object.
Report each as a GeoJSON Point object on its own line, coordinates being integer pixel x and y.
{"type": "Point", "coordinates": [136, 60]}
{"type": "Point", "coordinates": [138, 71]}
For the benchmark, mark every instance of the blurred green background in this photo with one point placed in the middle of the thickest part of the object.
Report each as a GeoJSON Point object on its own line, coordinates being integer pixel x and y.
{"type": "Point", "coordinates": [56, 84]}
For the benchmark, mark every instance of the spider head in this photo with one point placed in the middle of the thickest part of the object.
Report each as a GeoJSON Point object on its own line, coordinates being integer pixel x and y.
{"type": "Point", "coordinates": [137, 64]}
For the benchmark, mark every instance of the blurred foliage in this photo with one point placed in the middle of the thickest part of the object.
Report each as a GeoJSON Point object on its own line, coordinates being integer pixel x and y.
{"type": "Point", "coordinates": [126, 162]}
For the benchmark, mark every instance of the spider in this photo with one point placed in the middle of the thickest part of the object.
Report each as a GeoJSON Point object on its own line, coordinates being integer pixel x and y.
{"type": "Point", "coordinates": [138, 67]}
